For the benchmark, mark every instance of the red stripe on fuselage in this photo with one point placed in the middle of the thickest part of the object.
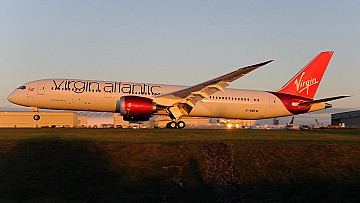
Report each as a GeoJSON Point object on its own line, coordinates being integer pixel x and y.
{"type": "Point", "coordinates": [290, 102]}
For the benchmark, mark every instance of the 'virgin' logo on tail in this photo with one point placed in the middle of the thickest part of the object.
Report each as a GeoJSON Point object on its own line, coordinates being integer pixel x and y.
{"type": "Point", "coordinates": [302, 85]}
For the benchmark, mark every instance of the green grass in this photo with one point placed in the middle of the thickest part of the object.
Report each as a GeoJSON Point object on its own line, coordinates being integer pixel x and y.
{"type": "Point", "coordinates": [113, 165]}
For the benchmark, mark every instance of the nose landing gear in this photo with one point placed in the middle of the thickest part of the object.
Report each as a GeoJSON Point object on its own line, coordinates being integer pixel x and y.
{"type": "Point", "coordinates": [36, 117]}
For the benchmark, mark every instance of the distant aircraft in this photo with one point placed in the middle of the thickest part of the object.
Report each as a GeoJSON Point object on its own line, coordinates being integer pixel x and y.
{"type": "Point", "coordinates": [140, 101]}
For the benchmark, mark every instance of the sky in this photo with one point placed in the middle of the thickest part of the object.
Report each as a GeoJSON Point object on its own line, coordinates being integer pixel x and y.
{"type": "Point", "coordinates": [180, 42]}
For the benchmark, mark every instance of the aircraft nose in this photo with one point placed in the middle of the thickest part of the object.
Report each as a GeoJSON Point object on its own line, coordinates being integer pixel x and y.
{"type": "Point", "coordinates": [13, 98]}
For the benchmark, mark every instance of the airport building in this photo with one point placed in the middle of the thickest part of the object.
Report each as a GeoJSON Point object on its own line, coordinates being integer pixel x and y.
{"type": "Point", "coordinates": [350, 119]}
{"type": "Point", "coordinates": [38, 120]}
{"type": "Point", "coordinates": [65, 119]}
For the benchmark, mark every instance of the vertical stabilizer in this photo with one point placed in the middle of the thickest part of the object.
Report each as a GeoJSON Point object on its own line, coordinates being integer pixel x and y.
{"type": "Point", "coordinates": [307, 81]}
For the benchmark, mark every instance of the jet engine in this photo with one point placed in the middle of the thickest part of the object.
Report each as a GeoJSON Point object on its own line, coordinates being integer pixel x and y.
{"type": "Point", "coordinates": [134, 108]}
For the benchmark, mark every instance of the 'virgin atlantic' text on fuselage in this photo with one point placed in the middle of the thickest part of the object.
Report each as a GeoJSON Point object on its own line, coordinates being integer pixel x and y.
{"type": "Point", "coordinates": [80, 86]}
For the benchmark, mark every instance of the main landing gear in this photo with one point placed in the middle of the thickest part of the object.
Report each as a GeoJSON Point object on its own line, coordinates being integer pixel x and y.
{"type": "Point", "coordinates": [173, 124]}
{"type": "Point", "coordinates": [175, 114]}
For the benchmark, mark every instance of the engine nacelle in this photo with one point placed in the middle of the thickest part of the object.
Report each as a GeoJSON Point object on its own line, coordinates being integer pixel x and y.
{"type": "Point", "coordinates": [134, 108]}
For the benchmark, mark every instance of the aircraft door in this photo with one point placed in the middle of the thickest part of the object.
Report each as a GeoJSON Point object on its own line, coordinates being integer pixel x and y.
{"type": "Point", "coordinates": [272, 102]}
{"type": "Point", "coordinates": [41, 89]}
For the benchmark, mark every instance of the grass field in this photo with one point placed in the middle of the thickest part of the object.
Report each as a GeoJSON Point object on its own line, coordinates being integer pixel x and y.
{"type": "Point", "coordinates": [112, 165]}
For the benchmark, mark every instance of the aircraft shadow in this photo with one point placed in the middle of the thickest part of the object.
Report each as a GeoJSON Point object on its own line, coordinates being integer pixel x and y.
{"type": "Point", "coordinates": [57, 170]}
{"type": "Point", "coordinates": [61, 170]}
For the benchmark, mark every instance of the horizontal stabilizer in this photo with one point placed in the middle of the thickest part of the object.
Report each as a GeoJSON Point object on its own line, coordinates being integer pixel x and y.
{"type": "Point", "coordinates": [322, 100]}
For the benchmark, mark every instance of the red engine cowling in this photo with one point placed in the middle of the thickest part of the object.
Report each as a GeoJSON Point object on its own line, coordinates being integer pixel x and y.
{"type": "Point", "coordinates": [134, 108]}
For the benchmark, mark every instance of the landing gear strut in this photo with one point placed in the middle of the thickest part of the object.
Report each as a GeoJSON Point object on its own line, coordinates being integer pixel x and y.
{"type": "Point", "coordinates": [175, 114]}
{"type": "Point", "coordinates": [173, 124]}
{"type": "Point", "coordinates": [36, 117]}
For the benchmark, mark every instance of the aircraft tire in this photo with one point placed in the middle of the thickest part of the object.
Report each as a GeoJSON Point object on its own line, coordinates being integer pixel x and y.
{"type": "Point", "coordinates": [172, 124]}
{"type": "Point", "coordinates": [36, 117]}
{"type": "Point", "coordinates": [181, 124]}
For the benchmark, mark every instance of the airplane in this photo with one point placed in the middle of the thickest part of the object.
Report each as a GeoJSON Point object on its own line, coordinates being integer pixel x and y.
{"type": "Point", "coordinates": [140, 101]}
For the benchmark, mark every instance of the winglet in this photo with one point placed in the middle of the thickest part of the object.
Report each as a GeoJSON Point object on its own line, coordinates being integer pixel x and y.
{"type": "Point", "coordinates": [230, 77]}
{"type": "Point", "coordinates": [262, 64]}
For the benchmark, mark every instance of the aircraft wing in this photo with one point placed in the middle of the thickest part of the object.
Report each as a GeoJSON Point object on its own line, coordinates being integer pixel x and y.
{"type": "Point", "coordinates": [191, 95]}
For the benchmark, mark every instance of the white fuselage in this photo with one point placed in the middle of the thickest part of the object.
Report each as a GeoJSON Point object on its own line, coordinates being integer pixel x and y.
{"type": "Point", "coordinates": [86, 95]}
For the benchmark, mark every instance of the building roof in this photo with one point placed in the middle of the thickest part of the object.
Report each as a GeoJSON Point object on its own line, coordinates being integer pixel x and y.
{"type": "Point", "coordinates": [348, 114]}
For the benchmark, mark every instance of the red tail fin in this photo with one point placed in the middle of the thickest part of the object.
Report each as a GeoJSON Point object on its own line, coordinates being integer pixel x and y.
{"type": "Point", "coordinates": [306, 82]}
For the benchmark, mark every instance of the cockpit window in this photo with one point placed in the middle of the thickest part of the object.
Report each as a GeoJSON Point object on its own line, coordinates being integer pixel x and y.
{"type": "Point", "coordinates": [22, 87]}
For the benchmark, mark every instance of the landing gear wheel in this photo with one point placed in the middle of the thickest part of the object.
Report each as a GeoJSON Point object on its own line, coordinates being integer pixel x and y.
{"type": "Point", "coordinates": [36, 117]}
{"type": "Point", "coordinates": [172, 124]}
{"type": "Point", "coordinates": [181, 124]}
